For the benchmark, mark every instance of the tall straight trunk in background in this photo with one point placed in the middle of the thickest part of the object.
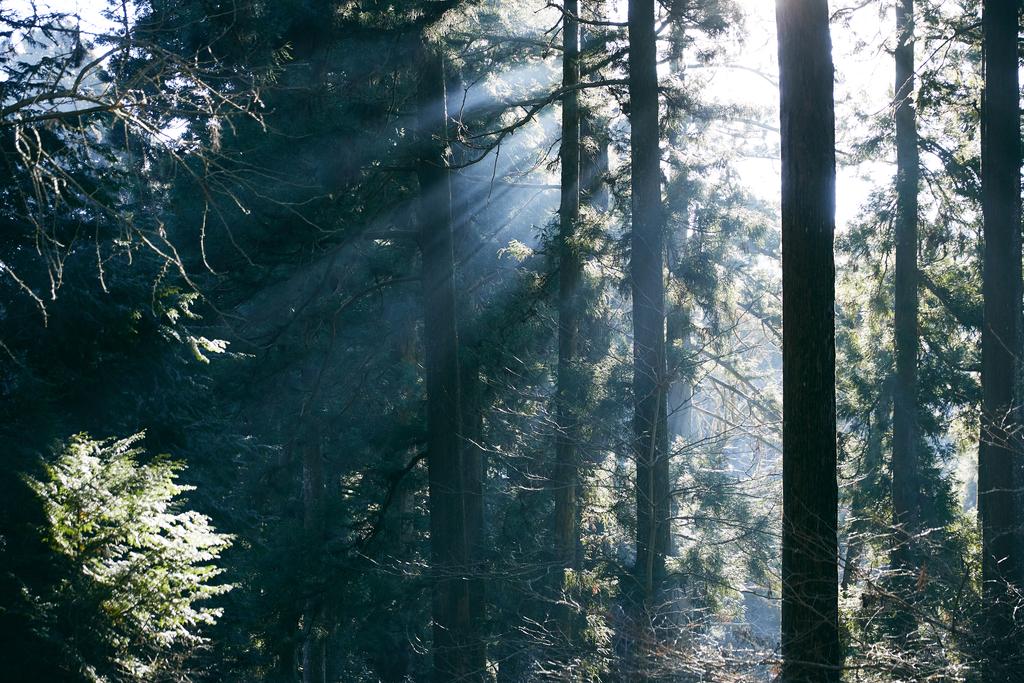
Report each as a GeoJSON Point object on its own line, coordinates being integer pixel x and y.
{"type": "Point", "coordinates": [677, 324]}
{"type": "Point", "coordinates": [314, 641]}
{"type": "Point", "coordinates": [471, 440]}
{"type": "Point", "coordinates": [905, 467]}
{"type": "Point", "coordinates": [810, 609]}
{"type": "Point", "coordinates": [467, 247]}
{"type": "Point", "coordinates": [1001, 289]}
{"type": "Point", "coordinates": [570, 269]}
{"type": "Point", "coordinates": [648, 285]}
{"type": "Point", "coordinates": [456, 646]}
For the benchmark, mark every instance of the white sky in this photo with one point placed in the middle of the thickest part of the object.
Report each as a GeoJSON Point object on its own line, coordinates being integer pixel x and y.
{"type": "Point", "coordinates": [863, 76]}
{"type": "Point", "coordinates": [90, 11]}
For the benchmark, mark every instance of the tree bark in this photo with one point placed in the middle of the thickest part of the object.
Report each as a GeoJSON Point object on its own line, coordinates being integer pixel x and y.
{"type": "Point", "coordinates": [810, 613]}
{"type": "Point", "coordinates": [456, 642]}
{"type": "Point", "coordinates": [1001, 289]}
{"type": "Point", "coordinates": [648, 289]}
{"type": "Point", "coordinates": [570, 271]}
{"type": "Point", "coordinates": [905, 466]}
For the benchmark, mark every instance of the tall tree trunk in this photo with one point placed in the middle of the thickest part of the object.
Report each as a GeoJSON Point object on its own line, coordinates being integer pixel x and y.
{"type": "Point", "coordinates": [473, 471]}
{"type": "Point", "coordinates": [456, 643]}
{"type": "Point", "coordinates": [393, 651]}
{"type": "Point", "coordinates": [570, 271]}
{"type": "Point", "coordinates": [1001, 288]}
{"type": "Point", "coordinates": [594, 195]}
{"type": "Point", "coordinates": [677, 329]}
{"type": "Point", "coordinates": [314, 641]}
{"type": "Point", "coordinates": [678, 315]}
{"type": "Point", "coordinates": [906, 485]}
{"type": "Point", "coordinates": [467, 249]}
{"type": "Point", "coordinates": [679, 400]}
{"type": "Point", "coordinates": [648, 285]}
{"type": "Point", "coordinates": [905, 467]}
{"type": "Point", "coordinates": [650, 374]}
{"type": "Point", "coordinates": [810, 611]}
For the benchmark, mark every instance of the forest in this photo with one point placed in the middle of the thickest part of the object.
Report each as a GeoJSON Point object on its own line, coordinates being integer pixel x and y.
{"type": "Point", "coordinates": [511, 341]}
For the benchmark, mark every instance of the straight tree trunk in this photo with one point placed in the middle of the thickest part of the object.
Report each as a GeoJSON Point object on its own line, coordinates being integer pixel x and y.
{"type": "Point", "coordinates": [393, 653]}
{"type": "Point", "coordinates": [810, 611]}
{"type": "Point", "coordinates": [593, 194]}
{"type": "Point", "coordinates": [678, 315]}
{"type": "Point", "coordinates": [288, 651]}
{"type": "Point", "coordinates": [677, 327]}
{"type": "Point", "coordinates": [1001, 289]}
{"type": "Point", "coordinates": [905, 466]}
{"type": "Point", "coordinates": [906, 485]}
{"type": "Point", "coordinates": [314, 641]}
{"type": "Point", "coordinates": [570, 271]}
{"type": "Point", "coordinates": [467, 249]}
{"type": "Point", "coordinates": [473, 469]}
{"type": "Point", "coordinates": [648, 289]}
{"type": "Point", "coordinates": [650, 372]}
{"type": "Point", "coordinates": [456, 642]}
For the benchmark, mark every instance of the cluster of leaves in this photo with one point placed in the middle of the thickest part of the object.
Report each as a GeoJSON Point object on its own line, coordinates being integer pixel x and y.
{"type": "Point", "coordinates": [137, 570]}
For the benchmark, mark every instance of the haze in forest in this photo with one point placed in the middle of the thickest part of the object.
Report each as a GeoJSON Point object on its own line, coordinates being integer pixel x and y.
{"type": "Point", "coordinates": [510, 340]}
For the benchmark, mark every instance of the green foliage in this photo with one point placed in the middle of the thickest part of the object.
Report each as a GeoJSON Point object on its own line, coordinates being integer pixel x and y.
{"type": "Point", "coordinates": [138, 575]}
{"type": "Point", "coordinates": [256, 280]}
